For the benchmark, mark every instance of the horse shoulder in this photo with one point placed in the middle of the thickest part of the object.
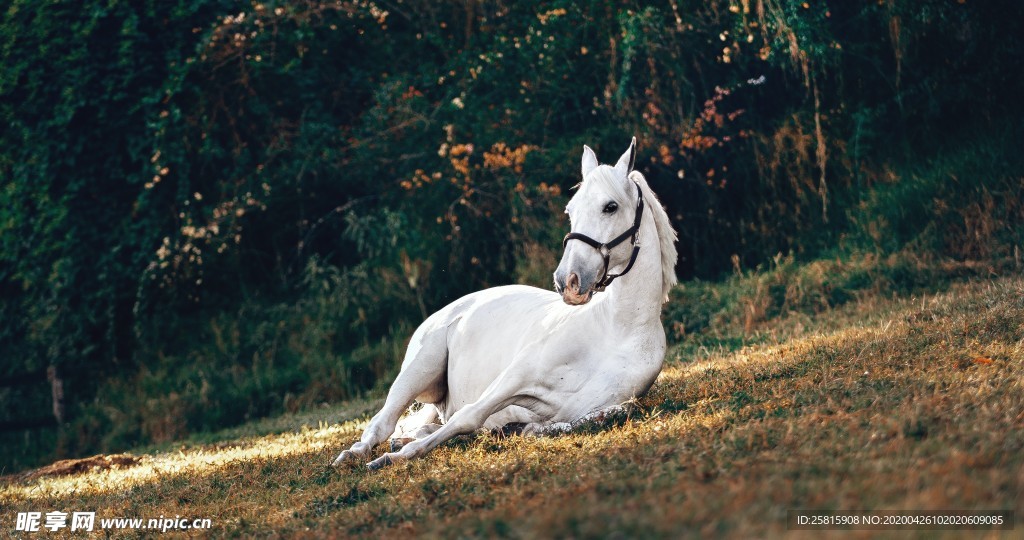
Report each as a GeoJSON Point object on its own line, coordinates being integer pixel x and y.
{"type": "Point", "coordinates": [624, 370]}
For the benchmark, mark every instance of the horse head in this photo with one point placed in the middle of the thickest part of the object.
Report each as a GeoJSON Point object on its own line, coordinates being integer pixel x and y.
{"type": "Point", "coordinates": [605, 218]}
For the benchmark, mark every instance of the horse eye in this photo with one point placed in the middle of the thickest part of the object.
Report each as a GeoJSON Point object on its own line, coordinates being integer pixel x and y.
{"type": "Point", "coordinates": [610, 207]}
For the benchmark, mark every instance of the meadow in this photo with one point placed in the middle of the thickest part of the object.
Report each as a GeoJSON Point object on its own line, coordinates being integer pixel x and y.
{"type": "Point", "coordinates": [220, 223]}
{"type": "Point", "coordinates": [900, 398]}
{"type": "Point", "coordinates": [214, 212]}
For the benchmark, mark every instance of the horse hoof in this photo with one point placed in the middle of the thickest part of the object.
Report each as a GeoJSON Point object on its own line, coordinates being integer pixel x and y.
{"type": "Point", "coordinates": [379, 463]}
{"type": "Point", "coordinates": [396, 445]}
{"type": "Point", "coordinates": [347, 455]}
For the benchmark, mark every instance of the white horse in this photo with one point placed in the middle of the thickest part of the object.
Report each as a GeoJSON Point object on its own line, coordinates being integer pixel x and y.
{"type": "Point", "coordinates": [537, 358]}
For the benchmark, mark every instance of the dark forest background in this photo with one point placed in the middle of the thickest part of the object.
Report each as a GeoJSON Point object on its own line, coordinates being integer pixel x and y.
{"type": "Point", "coordinates": [215, 211]}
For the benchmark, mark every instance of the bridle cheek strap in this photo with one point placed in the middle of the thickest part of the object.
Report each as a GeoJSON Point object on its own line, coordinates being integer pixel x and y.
{"type": "Point", "coordinates": [606, 248]}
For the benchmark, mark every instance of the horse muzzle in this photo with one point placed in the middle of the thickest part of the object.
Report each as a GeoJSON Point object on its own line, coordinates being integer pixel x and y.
{"type": "Point", "coordinates": [573, 294]}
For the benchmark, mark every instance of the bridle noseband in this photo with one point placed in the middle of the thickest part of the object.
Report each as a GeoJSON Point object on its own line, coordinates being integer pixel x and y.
{"type": "Point", "coordinates": [606, 248]}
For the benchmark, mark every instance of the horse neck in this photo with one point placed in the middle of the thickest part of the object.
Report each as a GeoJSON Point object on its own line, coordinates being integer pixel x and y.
{"type": "Point", "coordinates": [635, 298]}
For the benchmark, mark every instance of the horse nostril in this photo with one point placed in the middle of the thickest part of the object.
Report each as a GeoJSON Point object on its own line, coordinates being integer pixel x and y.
{"type": "Point", "coordinates": [573, 282]}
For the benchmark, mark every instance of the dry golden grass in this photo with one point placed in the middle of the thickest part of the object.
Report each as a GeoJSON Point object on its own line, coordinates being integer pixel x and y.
{"type": "Point", "coordinates": [883, 404]}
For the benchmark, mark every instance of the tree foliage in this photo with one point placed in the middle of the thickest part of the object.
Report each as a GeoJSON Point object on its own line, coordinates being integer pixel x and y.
{"type": "Point", "coordinates": [212, 211]}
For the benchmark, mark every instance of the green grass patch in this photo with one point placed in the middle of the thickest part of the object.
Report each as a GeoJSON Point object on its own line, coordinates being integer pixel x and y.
{"type": "Point", "coordinates": [889, 401]}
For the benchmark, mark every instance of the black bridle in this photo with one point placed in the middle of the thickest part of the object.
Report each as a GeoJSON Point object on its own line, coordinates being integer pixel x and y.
{"type": "Point", "coordinates": [606, 248]}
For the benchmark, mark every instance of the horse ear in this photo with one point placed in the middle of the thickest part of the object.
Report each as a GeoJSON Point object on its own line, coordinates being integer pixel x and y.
{"type": "Point", "coordinates": [625, 163]}
{"type": "Point", "coordinates": [589, 160]}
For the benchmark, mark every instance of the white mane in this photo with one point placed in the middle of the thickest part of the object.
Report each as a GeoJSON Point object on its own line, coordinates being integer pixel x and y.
{"type": "Point", "coordinates": [666, 234]}
{"type": "Point", "coordinates": [606, 179]}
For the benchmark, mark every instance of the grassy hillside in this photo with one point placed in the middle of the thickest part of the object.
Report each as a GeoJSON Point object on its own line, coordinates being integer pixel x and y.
{"type": "Point", "coordinates": [883, 396]}
{"type": "Point", "coordinates": [215, 211]}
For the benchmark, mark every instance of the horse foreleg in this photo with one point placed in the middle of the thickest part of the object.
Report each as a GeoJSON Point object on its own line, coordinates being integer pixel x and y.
{"type": "Point", "coordinates": [603, 415]}
{"type": "Point", "coordinates": [546, 430]}
{"type": "Point", "coordinates": [407, 437]}
{"type": "Point", "coordinates": [422, 375]}
{"type": "Point", "coordinates": [375, 432]}
{"type": "Point", "coordinates": [467, 420]}
{"type": "Point", "coordinates": [559, 428]}
{"type": "Point", "coordinates": [507, 390]}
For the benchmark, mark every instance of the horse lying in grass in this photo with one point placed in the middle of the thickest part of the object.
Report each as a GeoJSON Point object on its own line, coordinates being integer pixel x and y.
{"type": "Point", "coordinates": [541, 359]}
